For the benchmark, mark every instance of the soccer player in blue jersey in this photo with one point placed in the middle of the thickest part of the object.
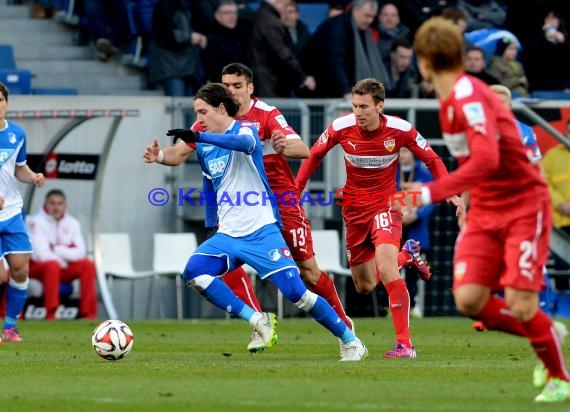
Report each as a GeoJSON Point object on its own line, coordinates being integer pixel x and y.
{"type": "Point", "coordinates": [527, 134]}
{"type": "Point", "coordinates": [15, 244]}
{"type": "Point", "coordinates": [230, 155]}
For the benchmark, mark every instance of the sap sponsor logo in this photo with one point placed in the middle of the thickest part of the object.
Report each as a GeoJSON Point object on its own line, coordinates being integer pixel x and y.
{"type": "Point", "coordinates": [5, 154]}
{"type": "Point", "coordinates": [217, 166]}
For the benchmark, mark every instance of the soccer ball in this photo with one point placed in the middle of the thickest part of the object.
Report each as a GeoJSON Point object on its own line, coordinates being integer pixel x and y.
{"type": "Point", "coordinates": [112, 339]}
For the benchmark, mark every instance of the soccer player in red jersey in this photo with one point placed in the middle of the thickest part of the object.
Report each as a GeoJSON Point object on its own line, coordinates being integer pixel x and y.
{"type": "Point", "coordinates": [504, 244]}
{"type": "Point", "coordinates": [371, 143]}
{"type": "Point", "coordinates": [280, 141]}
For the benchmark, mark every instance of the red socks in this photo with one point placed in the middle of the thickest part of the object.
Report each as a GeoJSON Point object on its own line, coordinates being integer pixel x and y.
{"type": "Point", "coordinates": [546, 345]}
{"type": "Point", "coordinates": [326, 289]}
{"type": "Point", "coordinates": [239, 282]}
{"type": "Point", "coordinates": [400, 308]}
{"type": "Point", "coordinates": [495, 315]}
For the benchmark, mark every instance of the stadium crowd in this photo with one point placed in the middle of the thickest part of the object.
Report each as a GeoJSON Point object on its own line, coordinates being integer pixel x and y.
{"type": "Point", "coordinates": [187, 42]}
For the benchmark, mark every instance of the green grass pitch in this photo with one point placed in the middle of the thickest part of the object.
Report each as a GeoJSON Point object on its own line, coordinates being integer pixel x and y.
{"type": "Point", "coordinates": [202, 365]}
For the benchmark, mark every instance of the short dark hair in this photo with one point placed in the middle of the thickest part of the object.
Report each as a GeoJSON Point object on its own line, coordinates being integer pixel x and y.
{"type": "Point", "coordinates": [4, 90]}
{"type": "Point", "coordinates": [217, 93]}
{"type": "Point", "coordinates": [471, 48]}
{"type": "Point", "coordinates": [55, 192]}
{"type": "Point", "coordinates": [370, 86]}
{"type": "Point", "coordinates": [239, 69]}
{"type": "Point", "coordinates": [401, 42]}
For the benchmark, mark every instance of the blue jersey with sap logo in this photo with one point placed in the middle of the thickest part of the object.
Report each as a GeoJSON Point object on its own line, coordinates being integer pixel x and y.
{"type": "Point", "coordinates": [243, 197]}
{"type": "Point", "coordinates": [529, 140]}
{"type": "Point", "coordinates": [12, 154]}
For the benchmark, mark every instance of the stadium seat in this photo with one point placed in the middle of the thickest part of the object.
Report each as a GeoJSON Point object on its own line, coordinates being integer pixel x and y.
{"type": "Point", "coordinates": [7, 60]}
{"type": "Point", "coordinates": [118, 264]}
{"type": "Point", "coordinates": [171, 252]}
{"type": "Point", "coordinates": [18, 81]}
{"type": "Point", "coordinates": [326, 244]}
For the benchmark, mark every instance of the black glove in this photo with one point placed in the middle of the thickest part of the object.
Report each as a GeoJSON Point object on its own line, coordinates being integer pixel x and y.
{"type": "Point", "coordinates": [210, 231]}
{"type": "Point", "coordinates": [186, 135]}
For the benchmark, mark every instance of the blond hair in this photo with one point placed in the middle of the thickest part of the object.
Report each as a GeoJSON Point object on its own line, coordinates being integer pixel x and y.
{"type": "Point", "coordinates": [500, 89]}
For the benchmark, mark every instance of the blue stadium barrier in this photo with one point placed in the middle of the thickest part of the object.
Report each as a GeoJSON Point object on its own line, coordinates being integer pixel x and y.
{"type": "Point", "coordinates": [18, 81]}
{"type": "Point", "coordinates": [551, 94]}
{"type": "Point", "coordinates": [55, 91]}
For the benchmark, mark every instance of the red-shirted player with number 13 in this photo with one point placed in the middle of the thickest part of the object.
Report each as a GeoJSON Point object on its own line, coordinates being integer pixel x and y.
{"type": "Point", "coordinates": [371, 143]}
{"type": "Point", "coordinates": [504, 244]}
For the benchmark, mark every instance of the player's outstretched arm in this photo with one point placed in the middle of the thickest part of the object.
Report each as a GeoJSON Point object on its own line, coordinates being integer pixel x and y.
{"type": "Point", "coordinates": [26, 175]}
{"type": "Point", "coordinates": [170, 156]}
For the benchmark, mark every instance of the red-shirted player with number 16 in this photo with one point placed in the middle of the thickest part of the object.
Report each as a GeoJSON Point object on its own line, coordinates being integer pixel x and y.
{"type": "Point", "coordinates": [504, 244]}
{"type": "Point", "coordinates": [371, 143]}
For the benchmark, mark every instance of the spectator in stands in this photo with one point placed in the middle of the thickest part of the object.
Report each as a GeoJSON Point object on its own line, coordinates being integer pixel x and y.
{"type": "Point", "coordinates": [456, 15]}
{"type": "Point", "coordinates": [108, 25]}
{"type": "Point", "coordinates": [390, 29]}
{"type": "Point", "coordinates": [271, 55]}
{"type": "Point", "coordinates": [297, 29]}
{"type": "Point", "coordinates": [60, 255]}
{"type": "Point", "coordinates": [342, 51]}
{"type": "Point", "coordinates": [174, 51]}
{"type": "Point", "coordinates": [414, 12]}
{"type": "Point", "coordinates": [336, 8]}
{"type": "Point", "coordinates": [475, 65]}
{"type": "Point", "coordinates": [227, 39]}
{"type": "Point", "coordinates": [548, 55]}
{"type": "Point", "coordinates": [482, 14]}
{"type": "Point", "coordinates": [415, 221]}
{"type": "Point", "coordinates": [556, 166]}
{"type": "Point", "coordinates": [507, 69]}
{"type": "Point", "coordinates": [402, 74]}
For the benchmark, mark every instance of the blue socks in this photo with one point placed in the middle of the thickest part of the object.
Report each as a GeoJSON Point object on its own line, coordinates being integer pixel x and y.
{"type": "Point", "coordinates": [16, 295]}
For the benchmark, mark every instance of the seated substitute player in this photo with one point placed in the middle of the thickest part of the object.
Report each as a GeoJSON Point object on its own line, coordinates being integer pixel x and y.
{"type": "Point", "coordinates": [504, 244]}
{"type": "Point", "coordinates": [230, 153]}
{"type": "Point", "coordinates": [60, 255]}
{"type": "Point", "coordinates": [371, 142]}
{"type": "Point", "coordinates": [279, 141]}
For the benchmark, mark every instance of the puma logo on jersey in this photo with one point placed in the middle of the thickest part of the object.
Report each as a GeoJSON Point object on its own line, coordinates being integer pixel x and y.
{"type": "Point", "coordinates": [352, 144]}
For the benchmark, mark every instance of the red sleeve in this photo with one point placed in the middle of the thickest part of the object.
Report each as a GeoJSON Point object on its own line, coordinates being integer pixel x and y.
{"type": "Point", "coordinates": [483, 157]}
{"type": "Point", "coordinates": [276, 121]}
{"type": "Point", "coordinates": [422, 150]}
{"type": "Point", "coordinates": [326, 142]}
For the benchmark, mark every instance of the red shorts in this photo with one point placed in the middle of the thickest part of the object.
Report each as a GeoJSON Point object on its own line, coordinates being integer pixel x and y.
{"type": "Point", "coordinates": [504, 249]}
{"type": "Point", "coordinates": [365, 233]}
{"type": "Point", "coordinates": [297, 232]}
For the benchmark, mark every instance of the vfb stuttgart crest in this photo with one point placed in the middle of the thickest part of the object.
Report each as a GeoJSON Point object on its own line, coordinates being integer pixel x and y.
{"type": "Point", "coordinates": [390, 144]}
